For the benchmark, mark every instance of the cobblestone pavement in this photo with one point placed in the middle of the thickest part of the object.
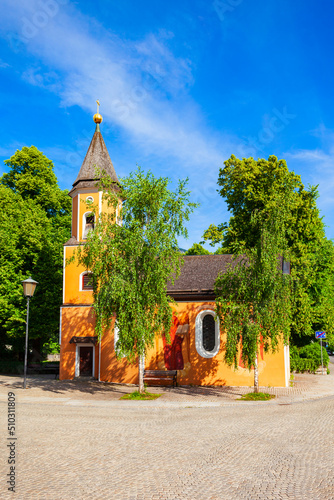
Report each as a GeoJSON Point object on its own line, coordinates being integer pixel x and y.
{"type": "Point", "coordinates": [74, 442]}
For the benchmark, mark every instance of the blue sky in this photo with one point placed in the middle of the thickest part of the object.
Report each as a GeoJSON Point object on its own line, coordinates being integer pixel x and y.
{"type": "Point", "coordinates": [183, 85]}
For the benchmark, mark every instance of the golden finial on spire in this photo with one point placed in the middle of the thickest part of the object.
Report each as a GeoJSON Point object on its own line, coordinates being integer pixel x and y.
{"type": "Point", "coordinates": [97, 117]}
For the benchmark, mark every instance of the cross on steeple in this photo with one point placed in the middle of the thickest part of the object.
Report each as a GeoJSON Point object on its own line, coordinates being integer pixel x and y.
{"type": "Point", "coordinates": [97, 117]}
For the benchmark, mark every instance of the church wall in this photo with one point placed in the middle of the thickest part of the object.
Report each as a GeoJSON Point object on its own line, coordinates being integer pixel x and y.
{"type": "Point", "coordinates": [113, 370]}
{"type": "Point", "coordinates": [72, 294]}
{"type": "Point", "coordinates": [79, 321]}
{"type": "Point", "coordinates": [214, 371]}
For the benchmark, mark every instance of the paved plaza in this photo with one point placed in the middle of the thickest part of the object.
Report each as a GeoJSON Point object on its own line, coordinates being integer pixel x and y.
{"type": "Point", "coordinates": [76, 440]}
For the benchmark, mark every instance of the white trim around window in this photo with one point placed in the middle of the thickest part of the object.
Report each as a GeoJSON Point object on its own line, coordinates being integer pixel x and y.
{"type": "Point", "coordinates": [116, 336]}
{"type": "Point", "coordinates": [116, 333]}
{"type": "Point", "coordinates": [60, 323]}
{"type": "Point", "coordinates": [84, 222]}
{"type": "Point", "coordinates": [81, 281]}
{"type": "Point", "coordinates": [199, 334]}
{"type": "Point", "coordinates": [100, 202]}
{"type": "Point", "coordinates": [287, 365]}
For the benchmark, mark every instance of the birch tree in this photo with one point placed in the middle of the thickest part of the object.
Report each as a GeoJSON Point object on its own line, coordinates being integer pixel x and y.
{"type": "Point", "coordinates": [133, 256]}
{"type": "Point", "coordinates": [253, 299]}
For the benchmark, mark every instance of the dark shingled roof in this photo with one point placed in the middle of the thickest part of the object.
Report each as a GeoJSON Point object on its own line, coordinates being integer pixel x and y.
{"type": "Point", "coordinates": [198, 275]}
{"type": "Point", "coordinates": [72, 241]}
{"type": "Point", "coordinates": [97, 156]}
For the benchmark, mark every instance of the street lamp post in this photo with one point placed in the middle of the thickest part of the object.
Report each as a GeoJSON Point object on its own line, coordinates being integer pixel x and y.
{"type": "Point", "coordinates": [29, 286]}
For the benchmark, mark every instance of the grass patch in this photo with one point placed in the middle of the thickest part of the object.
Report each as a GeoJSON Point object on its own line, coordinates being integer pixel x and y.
{"type": "Point", "coordinates": [144, 396]}
{"type": "Point", "coordinates": [257, 396]}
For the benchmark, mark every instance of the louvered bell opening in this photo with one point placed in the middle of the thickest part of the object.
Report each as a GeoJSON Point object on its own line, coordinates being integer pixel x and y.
{"type": "Point", "coordinates": [87, 281]}
{"type": "Point", "coordinates": [89, 226]}
{"type": "Point", "coordinates": [209, 334]}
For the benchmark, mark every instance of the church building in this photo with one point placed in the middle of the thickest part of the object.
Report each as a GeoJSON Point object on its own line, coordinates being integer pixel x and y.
{"type": "Point", "coordinates": [197, 343]}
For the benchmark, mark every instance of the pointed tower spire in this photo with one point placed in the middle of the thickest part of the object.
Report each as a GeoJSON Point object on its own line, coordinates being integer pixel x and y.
{"type": "Point", "coordinates": [97, 156]}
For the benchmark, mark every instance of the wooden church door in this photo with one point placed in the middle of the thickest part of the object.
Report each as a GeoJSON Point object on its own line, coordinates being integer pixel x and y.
{"type": "Point", "coordinates": [86, 361]}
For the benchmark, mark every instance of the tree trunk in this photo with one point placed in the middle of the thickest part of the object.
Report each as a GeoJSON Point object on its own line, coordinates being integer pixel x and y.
{"type": "Point", "coordinates": [256, 375]}
{"type": "Point", "coordinates": [141, 374]}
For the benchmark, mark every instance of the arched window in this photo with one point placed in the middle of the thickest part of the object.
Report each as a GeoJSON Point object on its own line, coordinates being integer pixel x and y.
{"type": "Point", "coordinates": [207, 336]}
{"type": "Point", "coordinates": [88, 224]}
{"type": "Point", "coordinates": [86, 281]}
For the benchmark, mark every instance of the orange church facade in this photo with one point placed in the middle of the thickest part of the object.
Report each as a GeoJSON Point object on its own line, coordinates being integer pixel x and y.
{"type": "Point", "coordinates": [197, 343]}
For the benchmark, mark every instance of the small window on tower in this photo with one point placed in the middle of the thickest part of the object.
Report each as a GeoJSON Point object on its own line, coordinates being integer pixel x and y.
{"type": "Point", "coordinates": [89, 223]}
{"type": "Point", "coordinates": [87, 281]}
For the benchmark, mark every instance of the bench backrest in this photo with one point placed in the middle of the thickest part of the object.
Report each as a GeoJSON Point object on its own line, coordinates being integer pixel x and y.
{"type": "Point", "coordinates": [160, 372]}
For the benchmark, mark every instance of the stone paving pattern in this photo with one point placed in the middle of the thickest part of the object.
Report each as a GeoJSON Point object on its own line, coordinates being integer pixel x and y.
{"type": "Point", "coordinates": [76, 440]}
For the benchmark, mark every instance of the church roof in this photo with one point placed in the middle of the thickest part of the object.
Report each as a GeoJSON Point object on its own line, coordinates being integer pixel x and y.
{"type": "Point", "coordinates": [199, 272]}
{"type": "Point", "coordinates": [97, 156]}
{"type": "Point", "coordinates": [198, 275]}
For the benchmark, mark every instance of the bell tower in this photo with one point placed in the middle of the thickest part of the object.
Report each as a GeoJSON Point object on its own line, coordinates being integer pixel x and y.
{"type": "Point", "coordinates": [77, 335]}
{"type": "Point", "coordinates": [85, 192]}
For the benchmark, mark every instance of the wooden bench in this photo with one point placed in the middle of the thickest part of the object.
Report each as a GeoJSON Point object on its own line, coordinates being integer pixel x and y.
{"type": "Point", "coordinates": [41, 369]}
{"type": "Point", "coordinates": [169, 375]}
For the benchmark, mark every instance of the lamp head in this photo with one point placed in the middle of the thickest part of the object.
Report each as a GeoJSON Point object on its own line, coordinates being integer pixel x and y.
{"type": "Point", "coordinates": [29, 287]}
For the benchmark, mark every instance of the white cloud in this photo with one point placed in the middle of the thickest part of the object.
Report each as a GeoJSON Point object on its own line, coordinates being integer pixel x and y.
{"type": "Point", "coordinates": [143, 89]}
{"type": "Point", "coordinates": [3, 64]}
{"type": "Point", "coordinates": [142, 86]}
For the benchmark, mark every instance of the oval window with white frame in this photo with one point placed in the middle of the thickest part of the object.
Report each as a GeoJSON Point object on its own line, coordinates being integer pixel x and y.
{"type": "Point", "coordinates": [207, 334]}
{"type": "Point", "coordinates": [89, 199]}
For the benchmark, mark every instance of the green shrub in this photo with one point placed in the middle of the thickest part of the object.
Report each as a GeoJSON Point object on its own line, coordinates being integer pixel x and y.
{"type": "Point", "coordinates": [11, 367]}
{"type": "Point", "coordinates": [313, 351]}
{"type": "Point", "coordinates": [307, 358]}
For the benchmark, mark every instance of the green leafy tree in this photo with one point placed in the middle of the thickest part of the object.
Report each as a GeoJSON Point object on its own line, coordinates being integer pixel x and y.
{"type": "Point", "coordinates": [250, 185]}
{"type": "Point", "coordinates": [133, 260]}
{"type": "Point", "coordinates": [322, 292]}
{"type": "Point", "coordinates": [32, 176]}
{"type": "Point", "coordinates": [253, 299]}
{"type": "Point", "coordinates": [35, 224]}
{"type": "Point", "coordinates": [197, 249]}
